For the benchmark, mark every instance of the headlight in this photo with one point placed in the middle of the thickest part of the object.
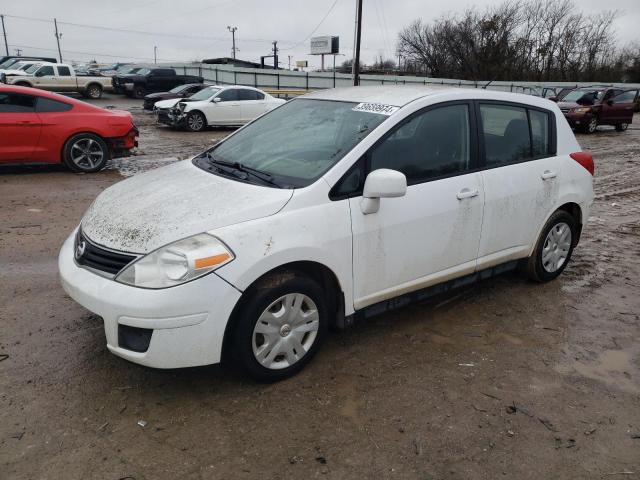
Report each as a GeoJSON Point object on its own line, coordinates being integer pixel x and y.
{"type": "Point", "coordinates": [581, 110]}
{"type": "Point", "coordinates": [177, 263]}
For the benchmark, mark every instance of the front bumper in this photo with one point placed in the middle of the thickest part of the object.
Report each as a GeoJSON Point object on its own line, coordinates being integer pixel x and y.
{"type": "Point", "coordinates": [188, 321]}
{"type": "Point", "coordinates": [578, 119]}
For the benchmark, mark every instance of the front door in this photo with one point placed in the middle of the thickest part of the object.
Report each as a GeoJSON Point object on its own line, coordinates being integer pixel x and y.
{"type": "Point", "coordinates": [227, 110]}
{"type": "Point", "coordinates": [19, 127]}
{"type": "Point", "coordinates": [432, 233]}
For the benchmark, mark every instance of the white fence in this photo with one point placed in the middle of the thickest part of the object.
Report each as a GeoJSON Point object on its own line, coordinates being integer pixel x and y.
{"type": "Point", "coordinates": [291, 80]}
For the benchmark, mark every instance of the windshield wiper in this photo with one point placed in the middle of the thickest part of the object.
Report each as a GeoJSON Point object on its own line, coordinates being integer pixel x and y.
{"type": "Point", "coordinates": [264, 176]}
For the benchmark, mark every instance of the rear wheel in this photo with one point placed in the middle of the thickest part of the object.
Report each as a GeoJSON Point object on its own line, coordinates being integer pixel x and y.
{"type": "Point", "coordinates": [280, 327]}
{"type": "Point", "coordinates": [86, 153]}
{"type": "Point", "coordinates": [553, 249]}
{"type": "Point", "coordinates": [93, 91]}
{"type": "Point", "coordinates": [621, 127]}
{"type": "Point", "coordinates": [139, 92]}
{"type": "Point", "coordinates": [196, 122]}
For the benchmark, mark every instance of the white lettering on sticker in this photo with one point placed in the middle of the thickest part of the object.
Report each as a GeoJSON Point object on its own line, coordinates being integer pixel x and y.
{"type": "Point", "coordinates": [379, 108]}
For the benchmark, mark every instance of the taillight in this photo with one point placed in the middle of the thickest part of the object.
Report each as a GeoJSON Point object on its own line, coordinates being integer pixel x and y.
{"type": "Point", "coordinates": [585, 159]}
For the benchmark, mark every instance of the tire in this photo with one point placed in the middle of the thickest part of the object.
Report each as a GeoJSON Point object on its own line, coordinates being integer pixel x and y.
{"type": "Point", "coordinates": [139, 92]}
{"type": "Point", "coordinates": [553, 250]}
{"type": "Point", "coordinates": [195, 122]}
{"type": "Point", "coordinates": [621, 127]}
{"type": "Point", "coordinates": [93, 91]}
{"type": "Point", "coordinates": [85, 152]}
{"type": "Point", "coordinates": [267, 318]}
{"type": "Point", "coordinates": [592, 126]}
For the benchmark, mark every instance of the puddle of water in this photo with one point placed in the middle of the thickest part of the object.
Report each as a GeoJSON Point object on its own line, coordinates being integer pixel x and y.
{"type": "Point", "coordinates": [613, 367]}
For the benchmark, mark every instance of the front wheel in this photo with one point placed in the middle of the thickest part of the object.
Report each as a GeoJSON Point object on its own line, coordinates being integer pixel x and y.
{"type": "Point", "coordinates": [553, 249]}
{"type": "Point", "coordinates": [592, 126]}
{"type": "Point", "coordinates": [621, 127]}
{"type": "Point", "coordinates": [139, 92]}
{"type": "Point", "coordinates": [196, 122]}
{"type": "Point", "coordinates": [280, 327]}
{"type": "Point", "coordinates": [85, 153]}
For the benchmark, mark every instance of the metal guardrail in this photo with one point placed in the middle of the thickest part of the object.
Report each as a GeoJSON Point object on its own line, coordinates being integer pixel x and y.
{"type": "Point", "coordinates": [292, 83]}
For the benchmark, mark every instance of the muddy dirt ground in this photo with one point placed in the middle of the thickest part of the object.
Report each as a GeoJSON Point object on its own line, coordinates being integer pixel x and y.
{"type": "Point", "coordinates": [508, 379]}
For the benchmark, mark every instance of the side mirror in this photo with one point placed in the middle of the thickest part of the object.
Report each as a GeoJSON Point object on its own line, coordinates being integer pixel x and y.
{"type": "Point", "coordinates": [382, 183]}
{"type": "Point", "coordinates": [610, 102]}
{"type": "Point", "coordinates": [217, 100]}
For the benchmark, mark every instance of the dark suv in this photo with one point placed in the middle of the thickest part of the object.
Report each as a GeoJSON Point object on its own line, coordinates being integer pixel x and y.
{"type": "Point", "coordinates": [150, 80]}
{"type": "Point", "coordinates": [586, 108]}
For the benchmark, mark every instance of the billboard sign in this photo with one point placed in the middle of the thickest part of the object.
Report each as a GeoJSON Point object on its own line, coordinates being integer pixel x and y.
{"type": "Point", "coordinates": [325, 45]}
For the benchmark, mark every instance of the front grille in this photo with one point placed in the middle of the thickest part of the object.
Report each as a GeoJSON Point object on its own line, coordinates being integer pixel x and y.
{"type": "Point", "coordinates": [91, 255]}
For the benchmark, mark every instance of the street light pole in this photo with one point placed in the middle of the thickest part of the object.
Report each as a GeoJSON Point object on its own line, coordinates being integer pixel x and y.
{"type": "Point", "coordinates": [233, 36]}
{"type": "Point", "coordinates": [356, 53]}
{"type": "Point", "coordinates": [4, 32]}
{"type": "Point", "coordinates": [155, 54]}
{"type": "Point", "coordinates": [58, 35]}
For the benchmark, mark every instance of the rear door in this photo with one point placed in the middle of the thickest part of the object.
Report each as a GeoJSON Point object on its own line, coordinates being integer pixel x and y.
{"type": "Point", "coordinates": [521, 176]}
{"type": "Point", "coordinates": [19, 127]}
{"type": "Point", "coordinates": [432, 233]}
{"type": "Point", "coordinates": [65, 81]}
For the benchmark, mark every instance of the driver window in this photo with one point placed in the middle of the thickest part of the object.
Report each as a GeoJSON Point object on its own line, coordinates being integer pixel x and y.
{"type": "Point", "coordinates": [430, 145]}
{"type": "Point", "coordinates": [230, 95]}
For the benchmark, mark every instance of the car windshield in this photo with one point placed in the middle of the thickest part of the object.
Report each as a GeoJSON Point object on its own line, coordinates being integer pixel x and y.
{"type": "Point", "coordinates": [178, 89]}
{"type": "Point", "coordinates": [204, 94]}
{"type": "Point", "coordinates": [583, 96]}
{"type": "Point", "coordinates": [8, 63]}
{"type": "Point", "coordinates": [33, 68]}
{"type": "Point", "coordinates": [142, 71]}
{"type": "Point", "coordinates": [298, 142]}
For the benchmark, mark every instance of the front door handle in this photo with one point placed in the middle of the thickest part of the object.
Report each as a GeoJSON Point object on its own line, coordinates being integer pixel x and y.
{"type": "Point", "coordinates": [548, 174]}
{"type": "Point", "coordinates": [467, 193]}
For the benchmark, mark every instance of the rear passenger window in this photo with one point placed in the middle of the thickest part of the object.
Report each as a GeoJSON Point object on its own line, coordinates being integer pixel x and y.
{"type": "Point", "coordinates": [432, 144]}
{"type": "Point", "coordinates": [64, 71]}
{"type": "Point", "coordinates": [506, 134]}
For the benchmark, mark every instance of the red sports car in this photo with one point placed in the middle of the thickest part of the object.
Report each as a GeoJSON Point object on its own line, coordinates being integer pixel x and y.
{"type": "Point", "coordinates": [42, 127]}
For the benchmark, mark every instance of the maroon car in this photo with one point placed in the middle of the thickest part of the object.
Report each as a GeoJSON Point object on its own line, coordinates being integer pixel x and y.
{"type": "Point", "coordinates": [586, 108]}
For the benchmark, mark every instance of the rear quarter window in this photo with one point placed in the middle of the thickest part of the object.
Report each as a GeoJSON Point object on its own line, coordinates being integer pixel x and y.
{"type": "Point", "coordinates": [47, 105]}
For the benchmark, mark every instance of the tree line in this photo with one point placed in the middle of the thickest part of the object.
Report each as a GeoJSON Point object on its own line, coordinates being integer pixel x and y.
{"type": "Point", "coordinates": [535, 40]}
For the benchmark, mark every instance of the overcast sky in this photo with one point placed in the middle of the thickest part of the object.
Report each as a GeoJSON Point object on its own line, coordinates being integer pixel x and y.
{"type": "Point", "coordinates": [188, 30]}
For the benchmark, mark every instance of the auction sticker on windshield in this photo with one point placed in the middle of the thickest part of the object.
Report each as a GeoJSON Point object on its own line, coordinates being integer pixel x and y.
{"type": "Point", "coordinates": [380, 108]}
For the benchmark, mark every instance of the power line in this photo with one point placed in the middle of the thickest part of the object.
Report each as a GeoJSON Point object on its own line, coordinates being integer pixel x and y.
{"type": "Point", "coordinates": [94, 53]}
{"type": "Point", "coordinates": [315, 29]}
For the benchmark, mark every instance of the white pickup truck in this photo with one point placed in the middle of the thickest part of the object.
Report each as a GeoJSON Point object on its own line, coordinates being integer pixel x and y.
{"type": "Point", "coordinates": [59, 77]}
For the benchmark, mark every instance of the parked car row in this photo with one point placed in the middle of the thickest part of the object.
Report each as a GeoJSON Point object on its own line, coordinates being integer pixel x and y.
{"type": "Point", "coordinates": [139, 81]}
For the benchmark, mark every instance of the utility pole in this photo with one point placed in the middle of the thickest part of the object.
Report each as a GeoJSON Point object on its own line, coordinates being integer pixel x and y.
{"type": "Point", "coordinates": [155, 54]}
{"type": "Point", "coordinates": [275, 54]}
{"type": "Point", "coordinates": [4, 32]}
{"type": "Point", "coordinates": [356, 50]}
{"type": "Point", "coordinates": [18, 51]}
{"type": "Point", "coordinates": [58, 35]}
{"type": "Point", "coordinates": [233, 36]}
{"type": "Point", "coordinates": [289, 56]}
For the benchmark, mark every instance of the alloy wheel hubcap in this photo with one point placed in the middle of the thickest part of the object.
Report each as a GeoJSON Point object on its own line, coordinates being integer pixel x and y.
{"type": "Point", "coordinates": [285, 331]}
{"type": "Point", "coordinates": [86, 153]}
{"type": "Point", "coordinates": [593, 124]}
{"type": "Point", "coordinates": [195, 122]}
{"type": "Point", "coordinates": [556, 247]}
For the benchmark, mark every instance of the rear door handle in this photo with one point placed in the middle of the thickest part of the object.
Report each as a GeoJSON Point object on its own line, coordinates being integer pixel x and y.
{"type": "Point", "coordinates": [548, 174]}
{"type": "Point", "coordinates": [467, 193]}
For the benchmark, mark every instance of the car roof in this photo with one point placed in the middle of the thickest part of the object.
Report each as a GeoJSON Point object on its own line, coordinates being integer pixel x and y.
{"type": "Point", "coordinates": [36, 92]}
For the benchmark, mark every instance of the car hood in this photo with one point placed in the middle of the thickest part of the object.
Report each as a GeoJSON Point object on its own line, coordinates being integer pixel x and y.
{"type": "Point", "coordinates": [167, 103]}
{"type": "Point", "coordinates": [150, 210]}
{"type": "Point", "coordinates": [14, 72]}
{"type": "Point", "coordinates": [568, 104]}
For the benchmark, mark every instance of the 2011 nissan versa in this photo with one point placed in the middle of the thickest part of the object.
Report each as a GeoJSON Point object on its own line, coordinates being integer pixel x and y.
{"type": "Point", "coordinates": [329, 206]}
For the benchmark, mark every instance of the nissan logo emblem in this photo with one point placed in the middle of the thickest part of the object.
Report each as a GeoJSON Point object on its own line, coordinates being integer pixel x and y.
{"type": "Point", "coordinates": [80, 249]}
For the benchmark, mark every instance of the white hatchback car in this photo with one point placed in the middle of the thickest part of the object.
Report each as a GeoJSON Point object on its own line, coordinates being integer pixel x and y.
{"type": "Point", "coordinates": [329, 207]}
{"type": "Point", "coordinates": [216, 106]}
